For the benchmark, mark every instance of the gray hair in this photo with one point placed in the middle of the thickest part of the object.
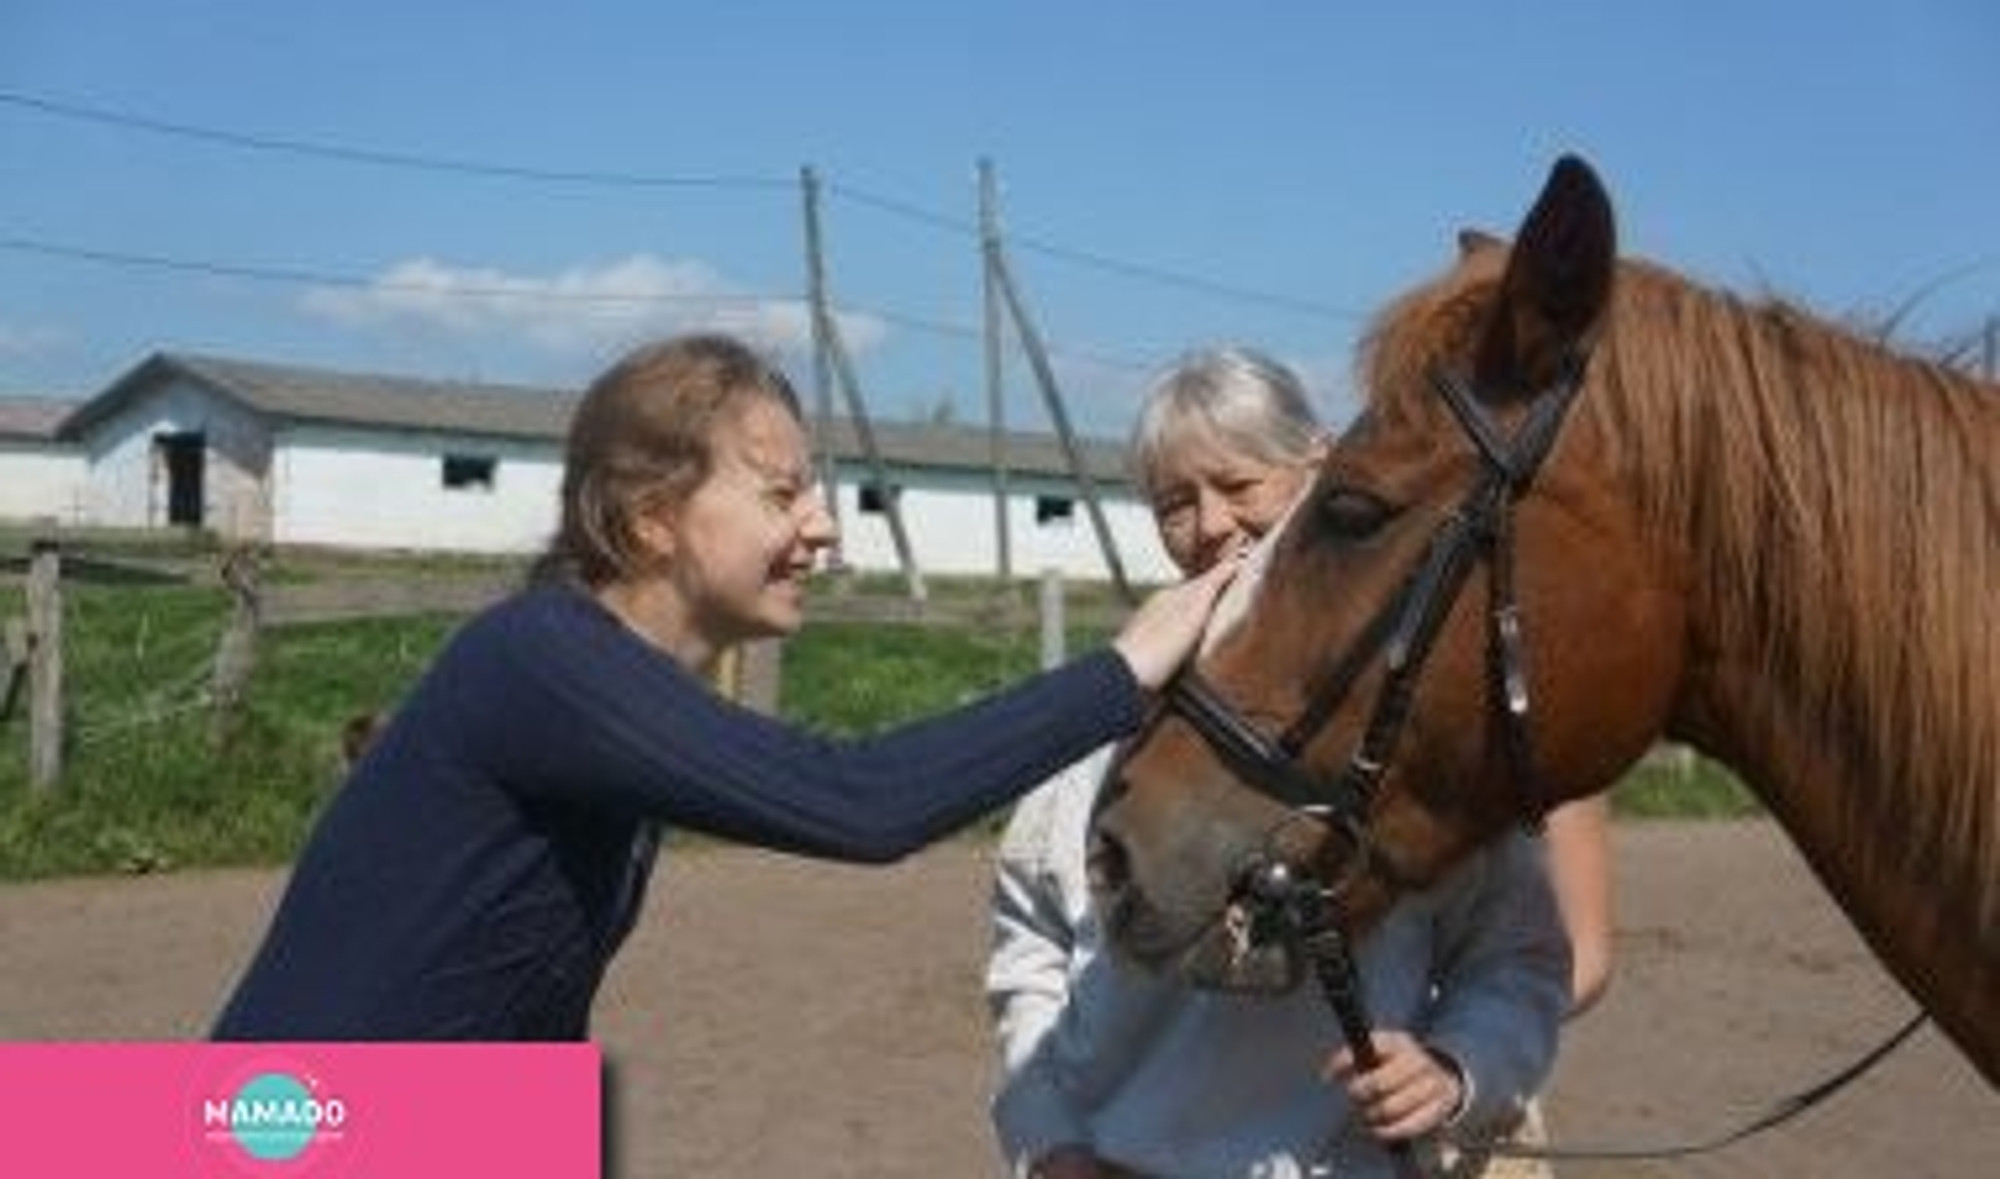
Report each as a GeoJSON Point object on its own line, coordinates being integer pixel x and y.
{"type": "Point", "coordinates": [1239, 397]}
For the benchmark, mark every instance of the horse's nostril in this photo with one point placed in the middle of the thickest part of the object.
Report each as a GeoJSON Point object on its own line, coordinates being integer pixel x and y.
{"type": "Point", "coordinates": [1108, 864]}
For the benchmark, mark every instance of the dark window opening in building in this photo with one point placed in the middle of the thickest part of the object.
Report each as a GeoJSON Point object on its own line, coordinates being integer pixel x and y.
{"type": "Point", "coordinates": [1054, 509]}
{"type": "Point", "coordinates": [875, 497]}
{"type": "Point", "coordinates": [183, 457]}
{"type": "Point", "coordinates": [470, 472]}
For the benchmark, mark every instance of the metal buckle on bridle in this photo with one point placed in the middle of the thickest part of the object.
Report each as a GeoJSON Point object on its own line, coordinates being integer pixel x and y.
{"type": "Point", "coordinates": [1298, 911]}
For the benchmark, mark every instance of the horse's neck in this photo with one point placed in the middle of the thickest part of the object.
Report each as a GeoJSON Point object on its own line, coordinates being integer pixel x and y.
{"type": "Point", "coordinates": [1918, 907]}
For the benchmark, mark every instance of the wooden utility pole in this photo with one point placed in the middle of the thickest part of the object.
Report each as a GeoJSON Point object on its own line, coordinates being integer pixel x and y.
{"type": "Point", "coordinates": [828, 344]}
{"type": "Point", "coordinates": [829, 462]}
{"type": "Point", "coordinates": [996, 400]}
{"type": "Point", "coordinates": [1045, 377]}
{"type": "Point", "coordinates": [45, 665]}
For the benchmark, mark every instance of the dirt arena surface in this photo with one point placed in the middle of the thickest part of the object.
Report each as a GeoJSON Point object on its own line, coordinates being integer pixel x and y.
{"type": "Point", "coordinates": [774, 1017]}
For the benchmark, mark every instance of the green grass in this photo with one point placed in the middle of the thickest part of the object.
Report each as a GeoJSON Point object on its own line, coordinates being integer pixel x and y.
{"type": "Point", "coordinates": [857, 678]}
{"type": "Point", "coordinates": [151, 783]}
{"type": "Point", "coordinates": [151, 780]}
{"type": "Point", "coordinates": [1682, 787]}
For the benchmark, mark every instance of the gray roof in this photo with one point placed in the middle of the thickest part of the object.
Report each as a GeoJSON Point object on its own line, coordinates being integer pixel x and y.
{"type": "Point", "coordinates": [951, 446]}
{"type": "Point", "coordinates": [294, 393]}
{"type": "Point", "coordinates": [33, 418]}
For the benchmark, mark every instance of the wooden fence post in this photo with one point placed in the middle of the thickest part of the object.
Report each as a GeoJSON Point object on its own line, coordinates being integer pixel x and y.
{"type": "Point", "coordinates": [236, 651]}
{"type": "Point", "coordinates": [45, 665]}
{"type": "Point", "coordinates": [1055, 628]}
{"type": "Point", "coordinates": [760, 675]}
{"type": "Point", "coordinates": [748, 674]}
{"type": "Point", "coordinates": [14, 656]}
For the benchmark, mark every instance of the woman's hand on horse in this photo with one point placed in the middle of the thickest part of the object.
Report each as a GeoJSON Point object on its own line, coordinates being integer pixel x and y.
{"type": "Point", "coordinates": [1410, 1092]}
{"type": "Point", "coordinates": [1164, 631]}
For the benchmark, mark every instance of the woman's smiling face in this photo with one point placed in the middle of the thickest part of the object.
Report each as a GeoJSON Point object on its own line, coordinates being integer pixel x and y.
{"type": "Point", "coordinates": [740, 549]}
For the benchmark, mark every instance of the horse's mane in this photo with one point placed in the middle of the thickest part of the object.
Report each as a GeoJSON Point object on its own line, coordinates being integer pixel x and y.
{"type": "Point", "coordinates": [1844, 505]}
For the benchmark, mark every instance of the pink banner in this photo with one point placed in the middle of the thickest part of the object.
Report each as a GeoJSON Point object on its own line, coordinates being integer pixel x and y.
{"type": "Point", "coordinates": [292, 1111]}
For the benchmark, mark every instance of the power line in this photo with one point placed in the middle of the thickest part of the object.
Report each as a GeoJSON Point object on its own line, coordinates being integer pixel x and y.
{"type": "Point", "coordinates": [308, 277]}
{"type": "Point", "coordinates": [1184, 281]}
{"type": "Point", "coordinates": [300, 276]}
{"type": "Point", "coordinates": [1091, 259]}
{"type": "Point", "coordinates": [904, 209]}
{"type": "Point", "coordinates": [376, 157]}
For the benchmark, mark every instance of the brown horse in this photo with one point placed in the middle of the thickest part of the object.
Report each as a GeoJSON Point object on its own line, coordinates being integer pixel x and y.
{"type": "Point", "coordinates": [1758, 533]}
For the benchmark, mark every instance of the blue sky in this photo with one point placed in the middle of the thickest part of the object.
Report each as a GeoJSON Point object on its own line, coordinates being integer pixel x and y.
{"type": "Point", "coordinates": [1170, 173]}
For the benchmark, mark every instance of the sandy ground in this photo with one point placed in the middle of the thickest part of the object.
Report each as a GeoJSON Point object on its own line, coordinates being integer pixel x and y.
{"type": "Point", "coordinates": [778, 1017]}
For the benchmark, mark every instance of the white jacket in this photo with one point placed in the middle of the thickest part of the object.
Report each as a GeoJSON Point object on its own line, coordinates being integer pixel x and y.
{"type": "Point", "coordinates": [1187, 1084]}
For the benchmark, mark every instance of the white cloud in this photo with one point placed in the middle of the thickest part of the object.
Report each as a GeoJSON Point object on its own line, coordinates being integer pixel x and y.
{"type": "Point", "coordinates": [18, 342]}
{"type": "Point", "coordinates": [584, 310]}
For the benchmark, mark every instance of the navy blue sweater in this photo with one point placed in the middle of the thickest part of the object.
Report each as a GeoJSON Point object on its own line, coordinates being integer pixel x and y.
{"type": "Point", "coordinates": [476, 872]}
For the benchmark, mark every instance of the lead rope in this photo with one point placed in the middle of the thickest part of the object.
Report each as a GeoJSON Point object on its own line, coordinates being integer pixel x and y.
{"type": "Point", "coordinates": [1779, 1112]}
{"type": "Point", "coordinates": [1299, 914]}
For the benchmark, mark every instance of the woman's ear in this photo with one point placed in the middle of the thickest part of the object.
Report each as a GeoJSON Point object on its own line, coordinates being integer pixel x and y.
{"type": "Point", "coordinates": [654, 528]}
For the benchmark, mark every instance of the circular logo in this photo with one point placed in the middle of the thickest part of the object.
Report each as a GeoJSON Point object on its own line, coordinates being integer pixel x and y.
{"type": "Point", "coordinates": [275, 1116]}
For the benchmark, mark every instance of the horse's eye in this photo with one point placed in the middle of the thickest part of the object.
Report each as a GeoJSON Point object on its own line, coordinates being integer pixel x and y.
{"type": "Point", "coordinates": [1352, 514]}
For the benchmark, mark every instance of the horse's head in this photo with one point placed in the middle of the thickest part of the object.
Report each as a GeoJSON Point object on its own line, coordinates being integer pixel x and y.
{"type": "Point", "coordinates": [1422, 663]}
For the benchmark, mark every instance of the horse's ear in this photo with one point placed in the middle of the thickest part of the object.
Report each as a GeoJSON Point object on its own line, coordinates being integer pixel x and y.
{"type": "Point", "coordinates": [1557, 290]}
{"type": "Point", "coordinates": [1476, 241]}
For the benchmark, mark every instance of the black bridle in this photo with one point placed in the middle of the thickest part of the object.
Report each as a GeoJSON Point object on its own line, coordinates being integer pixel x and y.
{"type": "Point", "coordinates": [1291, 907]}
{"type": "Point", "coordinates": [1401, 635]}
{"type": "Point", "coordinates": [1284, 904]}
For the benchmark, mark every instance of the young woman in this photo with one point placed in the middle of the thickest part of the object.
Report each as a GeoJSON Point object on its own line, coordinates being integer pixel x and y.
{"type": "Point", "coordinates": [489, 853]}
{"type": "Point", "coordinates": [1107, 1072]}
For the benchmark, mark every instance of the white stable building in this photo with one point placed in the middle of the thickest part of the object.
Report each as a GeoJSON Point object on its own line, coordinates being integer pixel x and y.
{"type": "Point", "coordinates": [286, 455]}
{"type": "Point", "coordinates": [41, 477]}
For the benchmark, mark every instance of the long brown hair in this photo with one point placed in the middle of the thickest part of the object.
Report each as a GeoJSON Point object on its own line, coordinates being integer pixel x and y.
{"type": "Point", "coordinates": [643, 434]}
